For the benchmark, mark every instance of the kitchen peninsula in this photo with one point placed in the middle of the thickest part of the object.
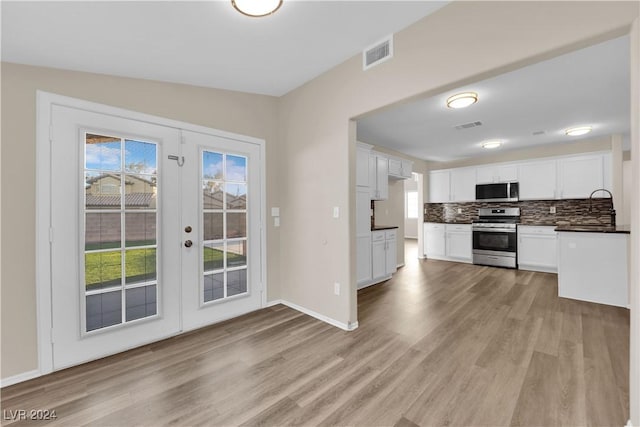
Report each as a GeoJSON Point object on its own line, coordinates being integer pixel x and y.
{"type": "Point", "coordinates": [593, 263]}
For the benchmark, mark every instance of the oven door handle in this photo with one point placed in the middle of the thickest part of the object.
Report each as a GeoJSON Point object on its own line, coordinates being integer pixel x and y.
{"type": "Point", "coordinates": [495, 230]}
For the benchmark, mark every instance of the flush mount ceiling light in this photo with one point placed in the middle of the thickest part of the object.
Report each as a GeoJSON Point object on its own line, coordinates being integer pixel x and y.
{"type": "Point", "coordinates": [491, 144]}
{"type": "Point", "coordinates": [256, 8]}
{"type": "Point", "coordinates": [462, 100]}
{"type": "Point", "coordinates": [578, 131]}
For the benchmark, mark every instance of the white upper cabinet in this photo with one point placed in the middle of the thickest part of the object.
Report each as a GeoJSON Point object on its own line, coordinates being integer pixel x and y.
{"type": "Point", "coordinates": [378, 176]}
{"type": "Point", "coordinates": [496, 173]}
{"type": "Point", "coordinates": [407, 168]}
{"type": "Point", "coordinates": [400, 168]}
{"type": "Point", "coordinates": [463, 185]}
{"type": "Point", "coordinates": [538, 180]}
{"type": "Point", "coordinates": [395, 166]}
{"type": "Point", "coordinates": [580, 175]}
{"type": "Point", "coordinates": [363, 151]}
{"type": "Point", "coordinates": [439, 186]}
{"type": "Point", "coordinates": [567, 177]}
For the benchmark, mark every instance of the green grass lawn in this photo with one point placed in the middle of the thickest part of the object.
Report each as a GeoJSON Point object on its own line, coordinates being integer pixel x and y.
{"type": "Point", "coordinates": [103, 269]}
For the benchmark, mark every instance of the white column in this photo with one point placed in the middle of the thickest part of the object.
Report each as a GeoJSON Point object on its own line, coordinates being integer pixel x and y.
{"type": "Point", "coordinates": [634, 359]}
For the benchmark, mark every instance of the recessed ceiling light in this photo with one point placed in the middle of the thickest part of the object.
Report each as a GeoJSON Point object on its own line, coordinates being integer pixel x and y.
{"type": "Point", "coordinates": [578, 131]}
{"type": "Point", "coordinates": [256, 8]}
{"type": "Point", "coordinates": [491, 144]}
{"type": "Point", "coordinates": [462, 100]}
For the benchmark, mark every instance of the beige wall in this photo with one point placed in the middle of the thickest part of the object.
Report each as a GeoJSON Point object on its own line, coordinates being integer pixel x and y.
{"type": "Point", "coordinates": [252, 115]}
{"type": "Point", "coordinates": [428, 59]}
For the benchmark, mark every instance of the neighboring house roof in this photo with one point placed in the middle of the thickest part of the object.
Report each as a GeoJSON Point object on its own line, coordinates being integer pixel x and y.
{"type": "Point", "coordinates": [215, 199]}
{"type": "Point", "coordinates": [128, 179]}
{"type": "Point", "coordinates": [113, 200]}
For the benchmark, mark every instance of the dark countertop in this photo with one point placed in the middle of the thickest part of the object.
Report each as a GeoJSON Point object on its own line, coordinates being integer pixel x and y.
{"type": "Point", "coordinates": [625, 229]}
{"type": "Point", "coordinates": [451, 222]}
{"type": "Point", "coordinates": [383, 227]}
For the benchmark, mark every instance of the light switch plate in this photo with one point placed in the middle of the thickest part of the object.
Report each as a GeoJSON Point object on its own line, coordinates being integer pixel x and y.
{"type": "Point", "coordinates": [275, 211]}
{"type": "Point", "coordinates": [276, 221]}
{"type": "Point", "coordinates": [336, 212]}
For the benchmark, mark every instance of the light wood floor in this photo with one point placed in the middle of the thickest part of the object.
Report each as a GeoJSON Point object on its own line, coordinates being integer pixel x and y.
{"type": "Point", "coordinates": [440, 344]}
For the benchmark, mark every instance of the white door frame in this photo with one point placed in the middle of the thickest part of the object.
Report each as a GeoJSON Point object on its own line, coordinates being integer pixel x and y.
{"type": "Point", "coordinates": [44, 105]}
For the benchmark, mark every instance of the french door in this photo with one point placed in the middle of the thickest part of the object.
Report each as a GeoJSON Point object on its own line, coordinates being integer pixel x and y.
{"type": "Point", "coordinates": [154, 230]}
{"type": "Point", "coordinates": [222, 236]}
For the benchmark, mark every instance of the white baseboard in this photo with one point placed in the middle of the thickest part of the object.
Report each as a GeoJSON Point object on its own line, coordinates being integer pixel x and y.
{"type": "Point", "coordinates": [274, 302]}
{"type": "Point", "coordinates": [345, 326]}
{"type": "Point", "coordinates": [25, 376]}
{"type": "Point", "coordinates": [400, 265]}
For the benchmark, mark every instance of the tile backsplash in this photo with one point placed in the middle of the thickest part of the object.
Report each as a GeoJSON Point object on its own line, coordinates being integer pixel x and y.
{"type": "Point", "coordinates": [534, 212]}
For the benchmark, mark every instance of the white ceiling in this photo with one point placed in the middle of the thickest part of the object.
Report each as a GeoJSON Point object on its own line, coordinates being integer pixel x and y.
{"type": "Point", "coordinates": [204, 43]}
{"type": "Point", "coordinates": [585, 87]}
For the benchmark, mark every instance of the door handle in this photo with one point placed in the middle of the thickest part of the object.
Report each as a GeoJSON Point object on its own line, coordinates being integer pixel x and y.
{"type": "Point", "coordinates": [188, 229]}
{"type": "Point", "coordinates": [188, 243]}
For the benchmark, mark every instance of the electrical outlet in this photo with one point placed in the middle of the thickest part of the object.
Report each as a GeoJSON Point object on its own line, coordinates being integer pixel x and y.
{"type": "Point", "coordinates": [336, 212]}
{"type": "Point", "coordinates": [552, 209]}
{"type": "Point", "coordinates": [276, 221]}
{"type": "Point", "coordinates": [459, 210]}
{"type": "Point", "coordinates": [336, 288]}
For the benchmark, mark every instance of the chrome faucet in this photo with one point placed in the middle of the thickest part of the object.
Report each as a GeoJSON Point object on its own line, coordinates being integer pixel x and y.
{"type": "Point", "coordinates": [612, 211]}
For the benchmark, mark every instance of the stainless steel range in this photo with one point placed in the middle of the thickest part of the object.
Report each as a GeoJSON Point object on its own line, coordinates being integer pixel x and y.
{"type": "Point", "coordinates": [495, 237]}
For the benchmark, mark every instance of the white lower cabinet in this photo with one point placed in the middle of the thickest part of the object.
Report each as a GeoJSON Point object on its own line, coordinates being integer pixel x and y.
{"type": "Point", "coordinates": [594, 267]}
{"type": "Point", "coordinates": [382, 257]}
{"type": "Point", "coordinates": [537, 248]}
{"type": "Point", "coordinates": [383, 254]}
{"type": "Point", "coordinates": [434, 241]}
{"type": "Point", "coordinates": [450, 242]}
{"type": "Point", "coordinates": [391, 258]}
{"type": "Point", "coordinates": [378, 254]}
{"type": "Point", "coordinates": [458, 246]}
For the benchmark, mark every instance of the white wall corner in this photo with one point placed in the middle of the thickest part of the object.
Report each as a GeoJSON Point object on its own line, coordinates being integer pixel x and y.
{"type": "Point", "coordinates": [350, 326]}
{"type": "Point", "coordinates": [274, 302]}
{"type": "Point", "coordinates": [25, 376]}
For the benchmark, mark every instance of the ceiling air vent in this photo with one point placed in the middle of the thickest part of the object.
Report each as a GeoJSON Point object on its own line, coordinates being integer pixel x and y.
{"type": "Point", "coordinates": [468, 125]}
{"type": "Point", "coordinates": [538, 132]}
{"type": "Point", "coordinates": [378, 53]}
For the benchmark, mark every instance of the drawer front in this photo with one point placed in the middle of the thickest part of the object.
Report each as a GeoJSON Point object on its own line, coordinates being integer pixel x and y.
{"type": "Point", "coordinates": [433, 226]}
{"type": "Point", "coordinates": [390, 234]}
{"type": "Point", "coordinates": [458, 227]}
{"type": "Point", "coordinates": [536, 229]}
{"type": "Point", "coordinates": [377, 236]}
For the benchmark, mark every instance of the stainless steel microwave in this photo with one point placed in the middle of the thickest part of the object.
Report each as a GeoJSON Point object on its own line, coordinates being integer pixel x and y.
{"type": "Point", "coordinates": [500, 192]}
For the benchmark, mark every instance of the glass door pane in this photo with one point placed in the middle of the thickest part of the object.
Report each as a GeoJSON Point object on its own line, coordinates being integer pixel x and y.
{"type": "Point", "coordinates": [120, 230]}
{"type": "Point", "coordinates": [224, 230]}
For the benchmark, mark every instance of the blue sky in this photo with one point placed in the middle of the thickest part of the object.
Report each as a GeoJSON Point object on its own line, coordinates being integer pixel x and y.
{"type": "Point", "coordinates": [107, 156]}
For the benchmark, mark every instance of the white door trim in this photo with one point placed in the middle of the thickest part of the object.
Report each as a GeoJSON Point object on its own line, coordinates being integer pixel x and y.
{"type": "Point", "coordinates": [44, 104]}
